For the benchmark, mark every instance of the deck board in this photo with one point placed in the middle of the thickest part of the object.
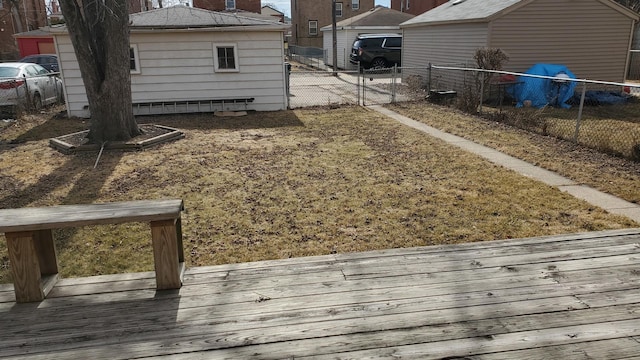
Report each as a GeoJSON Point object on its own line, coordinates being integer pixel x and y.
{"type": "Point", "coordinates": [573, 296]}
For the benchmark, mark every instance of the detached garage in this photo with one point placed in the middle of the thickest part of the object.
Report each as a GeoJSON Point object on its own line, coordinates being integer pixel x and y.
{"type": "Point", "coordinates": [590, 37]}
{"type": "Point", "coordinates": [379, 20]}
{"type": "Point", "coordinates": [192, 60]}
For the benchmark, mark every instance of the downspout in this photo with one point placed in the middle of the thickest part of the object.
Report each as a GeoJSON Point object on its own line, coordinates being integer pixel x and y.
{"type": "Point", "coordinates": [285, 73]}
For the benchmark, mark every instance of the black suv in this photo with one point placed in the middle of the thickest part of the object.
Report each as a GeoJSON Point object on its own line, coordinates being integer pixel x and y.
{"type": "Point", "coordinates": [376, 50]}
{"type": "Point", "coordinates": [47, 61]}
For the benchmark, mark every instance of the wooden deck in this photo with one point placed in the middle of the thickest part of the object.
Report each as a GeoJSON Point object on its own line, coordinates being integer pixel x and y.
{"type": "Point", "coordinates": [564, 297]}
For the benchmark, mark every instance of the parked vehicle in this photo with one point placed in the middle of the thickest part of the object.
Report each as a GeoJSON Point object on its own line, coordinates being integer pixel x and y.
{"type": "Point", "coordinates": [28, 85]}
{"type": "Point", "coordinates": [376, 50]}
{"type": "Point", "coordinates": [47, 61]}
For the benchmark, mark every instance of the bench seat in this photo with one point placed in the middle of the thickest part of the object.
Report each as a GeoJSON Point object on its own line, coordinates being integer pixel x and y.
{"type": "Point", "coordinates": [32, 250]}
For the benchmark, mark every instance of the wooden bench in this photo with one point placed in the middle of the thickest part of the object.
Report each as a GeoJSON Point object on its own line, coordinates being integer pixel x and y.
{"type": "Point", "coordinates": [33, 255]}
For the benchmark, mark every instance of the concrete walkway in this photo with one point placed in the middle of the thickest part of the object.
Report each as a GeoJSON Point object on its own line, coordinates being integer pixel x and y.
{"type": "Point", "coordinates": [605, 201]}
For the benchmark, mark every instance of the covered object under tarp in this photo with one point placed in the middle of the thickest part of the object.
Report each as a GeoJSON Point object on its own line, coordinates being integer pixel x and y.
{"type": "Point", "coordinates": [540, 92]}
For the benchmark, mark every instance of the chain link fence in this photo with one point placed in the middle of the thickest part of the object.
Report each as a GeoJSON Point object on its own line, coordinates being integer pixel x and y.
{"type": "Point", "coordinates": [597, 114]}
{"type": "Point", "coordinates": [310, 56]}
{"type": "Point", "coordinates": [25, 95]}
{"type": "Point", "coordinates": [600, 115]}
{"type": "Point", "coordinates": [323, 88]}
{"type": "Point", "coordinates": [352, 87]}
{"type": "Point", "coordinates": [391, 85]}
{"type": "Point", "coordinates": [634, 65]}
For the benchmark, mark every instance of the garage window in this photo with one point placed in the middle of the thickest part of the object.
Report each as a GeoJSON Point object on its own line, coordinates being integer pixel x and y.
{"type": "Point", "coordinates": [134, 59]}
{"type": "Point", "coordinates": [226, 58]}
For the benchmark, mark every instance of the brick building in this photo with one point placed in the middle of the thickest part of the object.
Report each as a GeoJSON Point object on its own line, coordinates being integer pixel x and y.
{"type": "Point", "coordinates": [307, 17]}
{"type": "Point", "coordinates": [29, 15]}
{"type": "Point", "coordinates": [415, 7]}
{"type": "Point", "coordinates": [136, 6]}
{"type": "Point", "coordinates": [273, 12]}
{"type": "Point", "coordinates": [253, 6]}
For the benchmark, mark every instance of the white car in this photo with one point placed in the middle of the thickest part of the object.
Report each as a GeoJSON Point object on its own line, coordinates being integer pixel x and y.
{"type": "Point", "coordinates": [19, 79]}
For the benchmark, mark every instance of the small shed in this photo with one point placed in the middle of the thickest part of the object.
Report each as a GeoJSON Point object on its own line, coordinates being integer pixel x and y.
{"type": "Point", "coordinates": [590, 37]}
{"type": "Point", "coordinates": [186, 59]}
{"type": "Point", "coordinates": [35, 42]}
{"type": "Point", "coordinates": [379, 20]}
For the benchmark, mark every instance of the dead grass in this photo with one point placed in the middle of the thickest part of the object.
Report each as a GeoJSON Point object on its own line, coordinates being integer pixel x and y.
{"type": "Point", "coordinates": [283, 184]}
{"type": "Point", "coordinates": [610, 174]}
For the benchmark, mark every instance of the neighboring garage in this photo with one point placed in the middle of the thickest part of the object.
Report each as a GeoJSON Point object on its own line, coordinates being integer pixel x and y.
{"type": "Point", "coordinates": [185, 59]}
{"type": "Point", "coordinates": [379, 20]}
{"type": "Point", "coordinates": [590, 37]}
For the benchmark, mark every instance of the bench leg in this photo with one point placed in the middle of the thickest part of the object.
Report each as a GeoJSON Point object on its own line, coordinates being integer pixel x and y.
{"type": "Point", "coordinates": [165, 238]}
{"type": "Point", "coordinates": [26, 266]}
{"type": "Point", "coordinates": [46, 250]}
{"type": "Point", "coordinates": [180, 247]}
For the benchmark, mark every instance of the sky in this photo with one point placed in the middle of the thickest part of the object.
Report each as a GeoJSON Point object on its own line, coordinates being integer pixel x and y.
{"type": "Point", "coordinates": [285, 5]}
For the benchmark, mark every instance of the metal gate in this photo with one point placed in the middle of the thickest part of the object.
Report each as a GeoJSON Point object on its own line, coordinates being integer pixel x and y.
{"type": "Point", "coordinates": [366, 87]}
{"type": "Point", "coordinates": [323, 88]}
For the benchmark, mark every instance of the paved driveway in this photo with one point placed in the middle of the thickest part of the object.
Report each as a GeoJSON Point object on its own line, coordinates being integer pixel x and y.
{"type": "Point", "coordinates": [322, 88]}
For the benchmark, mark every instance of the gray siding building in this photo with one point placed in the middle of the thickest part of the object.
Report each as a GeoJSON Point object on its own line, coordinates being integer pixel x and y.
{"type": "Point", "coordinates": [590, 37]}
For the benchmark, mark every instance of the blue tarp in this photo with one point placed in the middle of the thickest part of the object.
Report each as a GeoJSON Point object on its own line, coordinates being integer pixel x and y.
{"type": "Point", "coordinates": [595, 97]}
{"type": "Point", "coordinates": [543, 92]}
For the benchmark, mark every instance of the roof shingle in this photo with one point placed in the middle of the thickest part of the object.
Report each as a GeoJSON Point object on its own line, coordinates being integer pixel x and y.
{"type": "Point", "coordinates": [178, 17]}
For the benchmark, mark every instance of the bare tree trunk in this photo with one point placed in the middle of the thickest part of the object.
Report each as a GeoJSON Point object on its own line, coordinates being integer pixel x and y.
{"type": "Point", "coordinates": [100, 36]}
{"type": "Point", "coordinates": [17, 18]}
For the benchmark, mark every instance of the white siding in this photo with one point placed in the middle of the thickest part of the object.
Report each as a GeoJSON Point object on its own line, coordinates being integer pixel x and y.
{"type": "Point", "coordinates": [180, 67]}
{"type": "Point", "coordinates": [342, 40]}
{"type": "Point", "coordinates": [590, 38]}
{"type": "Point", "coordinates": [327, 40]}
{"type": "Point", "coordinates": [345, 40]}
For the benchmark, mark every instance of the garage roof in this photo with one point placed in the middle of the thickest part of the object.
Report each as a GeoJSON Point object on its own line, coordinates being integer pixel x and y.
{"type": "Point", "coordinates": [456, 11]}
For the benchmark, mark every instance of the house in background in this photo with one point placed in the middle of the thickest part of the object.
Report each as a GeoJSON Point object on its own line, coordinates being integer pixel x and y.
{"type": "Point", "coordinates": [253, 6]}
{"type": "Point", "coordinates": [135, 6]}
{"type": "Point", "coordinates": [35, 42]}
{"type": "Point", "coordinates": [275, 13]}
{"type": "Point", "coordinates": [246, 8]}
{"type": "Point", "coordinates": [186, 59]}
{"type": "Point", "coordinates": [379, 20]}
{"type": "Point", "coordinates": [591, 37]}
{"type": "Point", "coordinates": [27, 16]}
{"type": "Point", "coordinates": [415, 7]}
{"type": "Point", "coordinates": [309, 16]}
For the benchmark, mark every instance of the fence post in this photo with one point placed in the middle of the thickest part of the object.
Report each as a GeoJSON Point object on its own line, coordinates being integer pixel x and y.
{"type": "Point", "coordinates": [584, 91]}
{"type": "Point", "coordinates": [393, 83]}
{"type": "Point", "coordinates": [481, 92]}
{"type": "Point", "coordinates": [287, 81]}
{"type": "Point", "coordinates": [358, 84]}
{"type": "Point", "coordinates": [364, 87]}
{"type": "Point", "coordinates": [29, 105]}
{"type": "Point", "coordinates": [17, 97]}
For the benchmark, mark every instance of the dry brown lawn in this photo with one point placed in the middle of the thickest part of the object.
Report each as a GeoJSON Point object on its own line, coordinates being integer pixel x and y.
{"type": "Point", "coordinates": [610, 174]}
{"type": "Point", "coordinates": [282, 184]}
